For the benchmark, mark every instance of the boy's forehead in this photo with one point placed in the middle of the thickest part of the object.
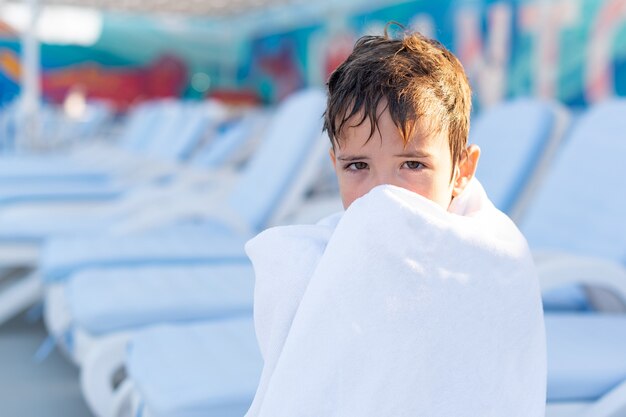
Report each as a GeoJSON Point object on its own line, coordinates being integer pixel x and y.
{"type": "Point", "coordinates": [425, 130]}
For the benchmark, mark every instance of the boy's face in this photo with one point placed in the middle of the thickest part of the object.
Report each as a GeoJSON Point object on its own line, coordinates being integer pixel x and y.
{"type": "Point", "coordinates": [424, 166]}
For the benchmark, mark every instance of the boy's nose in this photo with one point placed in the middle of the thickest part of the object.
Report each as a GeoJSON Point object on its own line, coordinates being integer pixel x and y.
{"type": "Point", "coordinates": [385, 179]}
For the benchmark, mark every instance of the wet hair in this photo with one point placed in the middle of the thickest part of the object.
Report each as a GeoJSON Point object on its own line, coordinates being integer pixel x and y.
{"type": "Point", "coordinates": [418, 79]}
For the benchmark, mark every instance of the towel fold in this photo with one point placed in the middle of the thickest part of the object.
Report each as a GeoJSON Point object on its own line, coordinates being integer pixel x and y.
{"type": "Point", "coordinates": [399, 308]}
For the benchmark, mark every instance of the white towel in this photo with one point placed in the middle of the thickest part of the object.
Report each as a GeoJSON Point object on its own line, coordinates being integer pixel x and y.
{"type": "Point", "coordinates": [399, 308]}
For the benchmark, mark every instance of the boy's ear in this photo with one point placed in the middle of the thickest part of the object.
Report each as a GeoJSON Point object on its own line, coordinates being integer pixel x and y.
{"type": "Point", "coordinates": [466, 169]}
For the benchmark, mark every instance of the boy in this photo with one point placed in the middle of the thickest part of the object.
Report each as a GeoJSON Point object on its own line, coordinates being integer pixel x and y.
{"type": "Point", "coordinates": [398, 113]}
{"type": "Point", "coordinates": [421, 299]}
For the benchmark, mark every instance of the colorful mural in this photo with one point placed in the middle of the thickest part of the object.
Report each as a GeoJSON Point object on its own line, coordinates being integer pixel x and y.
{"type": "Point", "coordinates": [571, 50]}
{"type": "Point", "coordinates": [9, 64]}
{"type": "Point", "coordinates": [275, 58]}
{"type": "Point", "coordinates": [95, 71]}
{"type": "Point", "coordinates": [120, 85]}
{"type": "Point", "coordinates": [165, 77]}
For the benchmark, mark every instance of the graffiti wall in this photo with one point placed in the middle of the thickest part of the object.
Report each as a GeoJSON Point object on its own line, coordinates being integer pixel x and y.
{"type": "Point", "coordinates": [97, 75]}
{"type": "Point", "coordinates": [135, 57]}
{"type": "Point", "coordinates": [9, 63]}
{"type": "Point", "coordinates": [571, 50]}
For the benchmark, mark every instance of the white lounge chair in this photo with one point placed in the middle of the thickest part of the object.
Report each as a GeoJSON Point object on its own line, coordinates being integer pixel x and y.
{"type": "Point", "coordinates": [176, 133]}
{"type": "Point", "coordinates": [579, 208]}
{"type": "Point", "coordinates": [212, 370]}
{"type": "Point", "coordinates": [24, 227]}
{"type": "Point", "coordinates": [518, 139]}
{"type": "Point", "coordinates": [586, 374]}
{"type": "Point", "coordinates": [264, 192]}
{"type": "Point", "coordinates": [575, 227]}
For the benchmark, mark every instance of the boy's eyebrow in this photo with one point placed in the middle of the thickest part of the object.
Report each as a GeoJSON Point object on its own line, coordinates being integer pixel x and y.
{"type": "Point", "coordinates": [352, 158]}
{"type": "Point", "coordinates": [413, 154]}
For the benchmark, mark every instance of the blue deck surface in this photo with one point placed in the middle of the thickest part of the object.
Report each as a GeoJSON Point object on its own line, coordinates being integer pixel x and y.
{"type": "Point", "coordinates": [36, 389]}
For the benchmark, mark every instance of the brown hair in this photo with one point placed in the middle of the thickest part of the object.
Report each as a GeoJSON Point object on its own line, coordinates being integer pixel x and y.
{"type": "Point", "coordinates": [416, 76]}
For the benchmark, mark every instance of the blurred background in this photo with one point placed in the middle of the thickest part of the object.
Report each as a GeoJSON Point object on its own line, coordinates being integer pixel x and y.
{"type": "Point", "coordinates": [260, 51]}
{"type": "Point", "coordinates": [144, 141]}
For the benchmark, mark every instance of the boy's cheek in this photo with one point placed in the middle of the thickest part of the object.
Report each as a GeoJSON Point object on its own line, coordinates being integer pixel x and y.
{"type": "Point", "coordinates": [347, 192]}
{"type": "Point", "coordinates": [349, 195]}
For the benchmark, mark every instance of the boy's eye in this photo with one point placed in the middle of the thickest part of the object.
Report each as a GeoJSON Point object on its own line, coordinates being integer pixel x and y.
{"type": "Point", "coordinates": [356, 166]}
{"type": "Point", "coordinates": [413, 165]}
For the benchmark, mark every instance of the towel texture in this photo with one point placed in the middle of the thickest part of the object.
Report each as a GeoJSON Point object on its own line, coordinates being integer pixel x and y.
{"type": "Point", "coordinates": [399, 308]}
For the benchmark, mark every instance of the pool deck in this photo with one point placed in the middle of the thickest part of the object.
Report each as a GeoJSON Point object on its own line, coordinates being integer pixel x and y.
{"type": "Point", "coordinates": [31, 388]}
